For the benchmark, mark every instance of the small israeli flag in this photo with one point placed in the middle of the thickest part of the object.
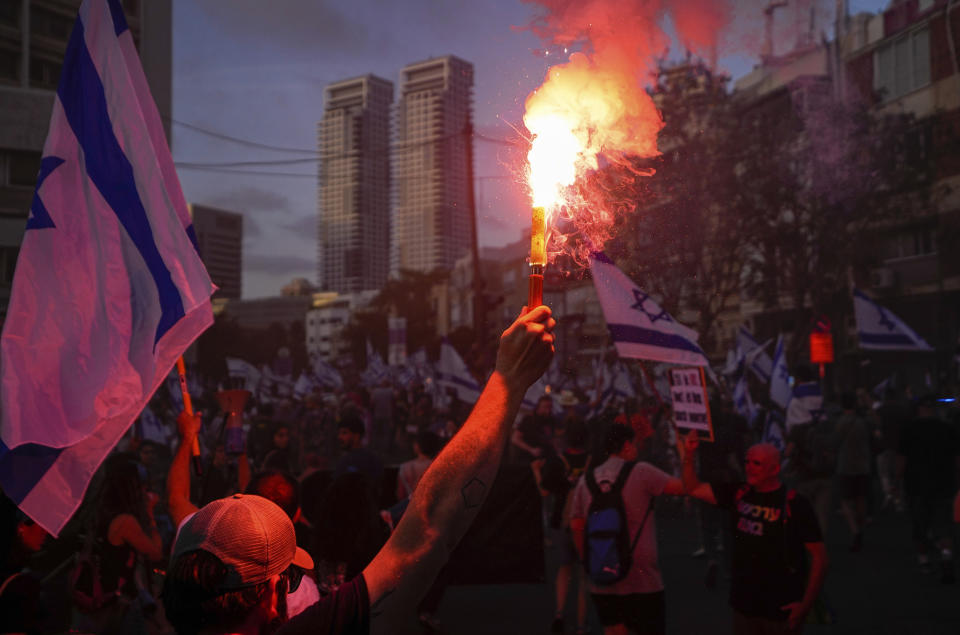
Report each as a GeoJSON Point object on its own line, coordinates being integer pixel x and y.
{"type": "Point", "coordinates": [755, 354]}
{"type": "Point", "coordinates": [881, 330]}
{"type": "Point", "coordinates": [780, 392]}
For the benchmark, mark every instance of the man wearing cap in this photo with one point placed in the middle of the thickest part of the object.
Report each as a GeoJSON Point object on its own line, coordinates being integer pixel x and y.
{"type": "Point", "coordinates": [235, 560]}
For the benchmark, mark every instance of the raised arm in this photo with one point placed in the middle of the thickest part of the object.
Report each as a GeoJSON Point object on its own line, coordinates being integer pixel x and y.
{"type": "Point", "coordinates": [178, 478]}
{"type": "Point", "coordinates": [692, 485]}
{"type": "Point", "coordinates": [453, 489]}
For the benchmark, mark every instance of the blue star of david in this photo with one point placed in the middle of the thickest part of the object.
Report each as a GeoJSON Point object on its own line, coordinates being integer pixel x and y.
{"type": "Point", "coordinates": [39, 216]}
{"type": "Point", "coordinates": [641, 298]}
{"type": "Point", "coordinates": [886, 321]}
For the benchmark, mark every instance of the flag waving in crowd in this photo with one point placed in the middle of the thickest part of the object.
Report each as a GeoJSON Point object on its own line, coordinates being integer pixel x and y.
{"type": "Point", "coordinates": [109, 288]}
{"type": "Point", "coordinates": [879, 329]}
{"type": "Point", "coordinates": [639, 327]}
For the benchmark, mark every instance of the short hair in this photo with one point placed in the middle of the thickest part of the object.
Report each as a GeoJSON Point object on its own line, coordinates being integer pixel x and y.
{"type": "Point", "coordinates": [615, 437]}
{"type": "Point", "coordinates": [430, 444]}
{"type": "Point", "coordinates": [279, 487]}
{"type": "Point", "coordinates": [192, 599]}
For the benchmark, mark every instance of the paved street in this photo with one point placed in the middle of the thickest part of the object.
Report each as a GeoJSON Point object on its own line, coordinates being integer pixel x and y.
{"type": "Point", "coordinates": [878, 591]}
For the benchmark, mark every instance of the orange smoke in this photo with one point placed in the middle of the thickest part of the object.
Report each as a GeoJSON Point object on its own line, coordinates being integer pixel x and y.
{"type": "Point", "coordinates": [595, 105]}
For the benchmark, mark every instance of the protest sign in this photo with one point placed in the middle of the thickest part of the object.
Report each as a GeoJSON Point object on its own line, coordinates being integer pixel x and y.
{"type": "Point", "coordinates": [691, 410]}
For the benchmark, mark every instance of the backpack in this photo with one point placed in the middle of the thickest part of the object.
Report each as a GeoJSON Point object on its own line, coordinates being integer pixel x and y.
{"type": "Point", "coordinates": [608, 548]}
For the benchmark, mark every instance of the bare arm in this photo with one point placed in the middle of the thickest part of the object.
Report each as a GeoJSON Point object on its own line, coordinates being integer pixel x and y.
{"type": "Point", "coordinates": [692, 485]}
{"type": "Point", "coordinates": [178, 478]}
{"type": "Point", "coordinates": [124, 529]}
{"type": "Point", "coordinates": [818, 571]}
{"type": "Point", "coordinates": [517, 439]}
{"type": "Point", "coordinates": [453, 489]}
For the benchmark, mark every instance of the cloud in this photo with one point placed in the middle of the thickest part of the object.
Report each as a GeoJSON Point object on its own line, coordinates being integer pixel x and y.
{"type": "Point", "coordinates": [248, 198]}
{"type": "Point", "coordinates": [279, 264]}
{"type": "Point", "coordinates": [286, 24]}
{"type": "Point", "coordinates": [305, 226]}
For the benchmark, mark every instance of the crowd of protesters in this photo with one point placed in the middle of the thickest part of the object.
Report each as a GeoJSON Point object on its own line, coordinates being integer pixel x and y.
{"type": "Point", "coordinates": [160, 545]}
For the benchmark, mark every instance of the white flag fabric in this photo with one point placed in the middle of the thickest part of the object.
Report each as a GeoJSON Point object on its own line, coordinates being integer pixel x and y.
{"type": "Point", "coordinates": [639, 327]}
{"type": "Point", "coordinates": [109, 288]}
{"type": "Point", "coordinates": [240, 369]}
{"type": "Point", "coordinates": [326, 374]}
{"type": "Point", "coordinates": [452, 372]}
{"type": "Point", "coordinates": [742, 402]}
{"type": "Point", "coordinates": [377, 371]}
{"type": "Point", "coordinates": [780, 392]}
{"type": "Point", "coordinates": [880, 330]}
{"type": "Point", "coordinates": [773, 430]}
{"type": "Point", "coordinates": [755, 354]}
{"type": "Point", "coordinates": [805, 405]}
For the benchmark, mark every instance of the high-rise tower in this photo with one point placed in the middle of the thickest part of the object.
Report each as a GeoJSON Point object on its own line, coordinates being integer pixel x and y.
{"type": "Point", "coordinates": [353, 235]}
{"type": "Point", "coordinates": [432, 220]}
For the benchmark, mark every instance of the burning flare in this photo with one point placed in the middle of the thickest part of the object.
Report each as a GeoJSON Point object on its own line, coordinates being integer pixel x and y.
{"type": "Point", "coordinates": [596, 103]}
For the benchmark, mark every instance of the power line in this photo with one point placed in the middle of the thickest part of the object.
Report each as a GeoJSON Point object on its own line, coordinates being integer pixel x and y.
{"type": "Point", "coordinates": [265, 146]}
{"type": "Point", "coordinates": [246, 142]}
{"type": "Point", "coordinates": [227, 170]}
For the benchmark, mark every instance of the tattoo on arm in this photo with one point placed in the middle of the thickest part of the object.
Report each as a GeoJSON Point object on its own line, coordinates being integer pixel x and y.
{"type": "Point", "coordinates": [376, 609]}
{"type": "Point", "coordinates": [473, 493]}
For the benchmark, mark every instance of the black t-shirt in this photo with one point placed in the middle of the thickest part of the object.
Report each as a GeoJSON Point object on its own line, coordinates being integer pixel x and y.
{"type": "Point", "coordinates": [768, 561]}
{"type": "Point", "coordinates": [930, 447]}
{"type": "Point", "coordinates": [346, 611]}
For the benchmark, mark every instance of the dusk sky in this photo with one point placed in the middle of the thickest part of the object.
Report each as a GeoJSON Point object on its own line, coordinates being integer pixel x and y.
{"type": "Point", "coordinates": [255, 71]}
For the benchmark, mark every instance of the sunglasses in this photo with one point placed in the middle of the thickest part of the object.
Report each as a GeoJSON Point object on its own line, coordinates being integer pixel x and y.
{"type": "Point", "coordinates": [294, 575]}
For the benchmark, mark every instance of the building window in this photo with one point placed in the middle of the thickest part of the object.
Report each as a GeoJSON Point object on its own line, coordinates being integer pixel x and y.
{"type": "Point", "coordinates": [10, 14]}
{"type": "Point", "coordinates": [902, 65]}
{"type": "Point", "coordinates": [8, 262]}
{"type": "Point", "coordinates": [44, 23]}
{"type": "Point", "coordinates": [908, 243]}
{"type": "Point", "coordinates": [9, 65]}
{"type": "Point", "coordinates": [44, 73]}
{"type": "Point", "coordinates": [19, 168]}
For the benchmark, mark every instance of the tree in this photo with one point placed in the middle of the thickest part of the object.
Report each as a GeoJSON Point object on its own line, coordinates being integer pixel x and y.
{"type": "Point", "coordinates": [686, 242]}
{"type": "Point", "coordinates": [406, 296]}
{"type": "Point", "coordinates": [827, 176]}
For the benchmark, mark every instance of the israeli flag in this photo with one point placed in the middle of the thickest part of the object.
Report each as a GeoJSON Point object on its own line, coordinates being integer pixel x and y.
{"type": "Point", "coordinates": [742, 402]}
{"type": "Point", "coordinates": [881, 330]}
{"type": "Point", "coordinates": [377, 371]}
{"type": "Point", "coordinates": [780, 392]}
{"type": "Point", "coordinates": [639, 327]}
{"type": "Point", "coordinates": [755, 354]}
{"type": "Point", "coordinates": [452, 373]}
{"type": "Point", "coordinates": [806, 404]}
{"type": "Point", "coordinates": [773, 430]}
{"type": "Point", "coordinates": [109, 288]}
{"type": "Point", "coordinates": [326, 374]}
{"type": "Point", "coordinates": [244, 371]}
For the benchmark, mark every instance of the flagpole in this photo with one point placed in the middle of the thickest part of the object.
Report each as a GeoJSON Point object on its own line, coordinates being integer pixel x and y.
{"type": "Point", "coordinates": [188, 408]}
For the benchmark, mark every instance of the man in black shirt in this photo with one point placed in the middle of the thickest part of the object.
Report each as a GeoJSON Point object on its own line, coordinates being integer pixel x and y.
{"type": "Point", "coordinates": [929, 457]}
{"type": "Point", "coordinates": [770, 589]}
{"type": "Point", "coordinates": [236, 558]}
